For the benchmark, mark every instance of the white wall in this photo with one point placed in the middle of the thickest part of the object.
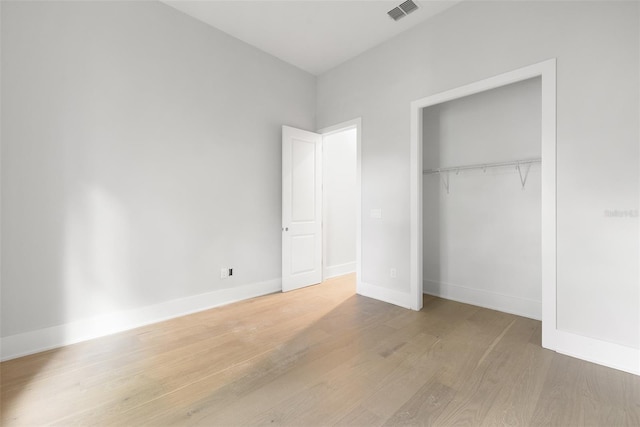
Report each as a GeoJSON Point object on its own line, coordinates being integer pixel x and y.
{"type": "Point", "coordinates": [596, 46]}
{"type": "Point", "coordinates": [482, 238]}
{"type": "Point", "coordinates": [140, 153]}
{"type": "Point", "coordinates": [339, 202]}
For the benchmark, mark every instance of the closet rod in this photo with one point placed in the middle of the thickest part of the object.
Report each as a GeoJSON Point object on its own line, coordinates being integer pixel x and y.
{"type": "Point", "coordinates": [482, 166]}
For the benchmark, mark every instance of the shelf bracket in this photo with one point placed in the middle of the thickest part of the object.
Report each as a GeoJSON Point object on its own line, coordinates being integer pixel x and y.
{"type": "Point", "coordinates": [444, 177]}
{"type": "Point", "coordinates": [523, 178]}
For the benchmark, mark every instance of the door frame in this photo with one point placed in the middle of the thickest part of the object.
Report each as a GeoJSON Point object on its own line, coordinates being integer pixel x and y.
{"type": "Point", "coordinates": [547, 71]}
{"type": "Point", "coordinates": [326, 131]}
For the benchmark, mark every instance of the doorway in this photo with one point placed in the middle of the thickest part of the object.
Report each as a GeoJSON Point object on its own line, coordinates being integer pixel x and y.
{"type": "Point", "coordinates": [310, 251]}
{"type": "Point", "coordinates": [341, 199]}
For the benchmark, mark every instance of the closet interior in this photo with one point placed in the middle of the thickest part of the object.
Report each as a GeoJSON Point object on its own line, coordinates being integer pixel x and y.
{"type": "Point", "coordinates": [482, 199]}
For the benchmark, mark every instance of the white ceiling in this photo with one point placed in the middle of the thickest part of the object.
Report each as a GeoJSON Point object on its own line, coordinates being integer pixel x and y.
{"type": "Point", "coordinates": [314, 35]}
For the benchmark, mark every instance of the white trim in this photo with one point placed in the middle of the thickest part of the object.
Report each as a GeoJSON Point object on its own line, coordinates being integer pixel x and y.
{"type": "Point", "coordinates": [601, 352]}
{"type": "Point", "coordinates": [390, 296]}
{"type": "Point", "coordinates": [547, 71]}
{"type": "Point", "coordinates": [524, 307]}
{"type": "Point", "coordinates": [70, 333]}
{"type": "Point", "coordinates": [638, 322]}
{"type": "Point", "coordinates": [415, 205]}
{"type": "Point", "coordinates": [357, 123]}
{"type": "Point", "coordinates": [338, 270]}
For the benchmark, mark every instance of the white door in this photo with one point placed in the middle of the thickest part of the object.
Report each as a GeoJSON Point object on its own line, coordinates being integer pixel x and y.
{"type": "Point", "coordinates": [301, 208]}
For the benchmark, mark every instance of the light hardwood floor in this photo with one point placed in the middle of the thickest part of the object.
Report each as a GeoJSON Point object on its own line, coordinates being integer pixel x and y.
{"type": "Point", "coordinates": [319, 356]}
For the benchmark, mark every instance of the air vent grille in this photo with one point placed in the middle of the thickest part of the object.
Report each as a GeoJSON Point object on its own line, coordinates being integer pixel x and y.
{"type": "Point", "coordinates": [408, 6]}
{"type": "Point", "coordinates": [396, 13]}
{"type": "Point", "coordinates": [402, 10]}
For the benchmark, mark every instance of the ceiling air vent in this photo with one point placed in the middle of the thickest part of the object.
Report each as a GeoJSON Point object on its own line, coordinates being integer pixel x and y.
{"type": "Point", "coordinates": [408, 6]}
{"type": "Point", "coordinates": [396, 13]}
{"type": "Point", "coordinates": [402, 10]}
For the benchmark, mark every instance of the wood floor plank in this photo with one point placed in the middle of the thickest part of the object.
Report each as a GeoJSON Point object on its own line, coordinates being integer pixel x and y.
{"type": "Point", "coordinates": [583, 393]}
{"type": "Point", "coordinates": [516, 401]}
{"type": "Point", "coordinates": [495, 369]}
{"type": "Point", "coordinates": [405, 381]}
{"type": "Point", "coordinates": [360, 417]}
{"type": "Point", "coordinates": [425, 406]}
{"type": "Point", "coordinates": [340, 389]}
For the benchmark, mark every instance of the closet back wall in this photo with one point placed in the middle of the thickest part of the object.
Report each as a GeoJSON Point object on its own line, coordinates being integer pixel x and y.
{"type": "Point", "coordinates": [482, 237]}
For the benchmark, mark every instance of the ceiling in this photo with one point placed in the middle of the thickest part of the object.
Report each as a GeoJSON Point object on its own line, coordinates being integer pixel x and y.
{"type": "Point", "coordinates": [314, 35]}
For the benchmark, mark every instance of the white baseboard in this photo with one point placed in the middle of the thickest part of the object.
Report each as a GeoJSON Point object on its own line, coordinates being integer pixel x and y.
{"type": "Point", "coordinates": [495, 301]}
{"type": "Point", "coordinates": [597, 351]}
{"type": "Point", "coordinates": [70, 333]}
{"type": "Point", "coordinates": [391, 296]}
{"type": "Point", "coordinates": [338, 270]}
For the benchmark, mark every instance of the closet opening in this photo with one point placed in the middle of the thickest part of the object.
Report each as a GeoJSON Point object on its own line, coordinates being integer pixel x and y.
{"type": "Point", "coordinates": [492, 192]}
{"type": "Point", "coordinates": [482, 199]}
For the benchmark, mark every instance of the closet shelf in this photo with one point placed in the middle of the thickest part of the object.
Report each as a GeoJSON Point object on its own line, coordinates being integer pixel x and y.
{"type": "Point", "coordinates": [483, 166]}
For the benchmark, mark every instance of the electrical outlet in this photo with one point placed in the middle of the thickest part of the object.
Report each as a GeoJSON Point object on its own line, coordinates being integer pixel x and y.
{"type": "Point", "coordinates": [224, 273]}
{"type": "Point", "coordinates": [392, 273]}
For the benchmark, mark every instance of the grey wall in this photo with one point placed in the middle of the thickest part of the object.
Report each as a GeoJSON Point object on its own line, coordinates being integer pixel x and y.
{"type": "Point", "coordinates": [140, 153]}
{"type": "Point", "coordinates": [596, 46]}
{"type": "Point", "coordinates": [482, 238]}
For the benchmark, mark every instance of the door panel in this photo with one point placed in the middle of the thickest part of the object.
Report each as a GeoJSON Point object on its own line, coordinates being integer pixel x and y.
{"type": "Point", "coordinates": [301, 208]}
{"type": "Point", "coordinates": [302, 253]}
{"type": "Point", "coordinates": [303, 180]}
